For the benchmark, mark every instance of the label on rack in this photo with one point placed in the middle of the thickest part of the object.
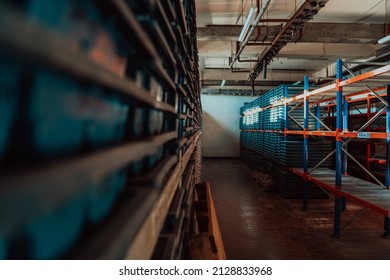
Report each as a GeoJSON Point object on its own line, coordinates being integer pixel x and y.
{"type": "Point", "coordinates": [364, 135]}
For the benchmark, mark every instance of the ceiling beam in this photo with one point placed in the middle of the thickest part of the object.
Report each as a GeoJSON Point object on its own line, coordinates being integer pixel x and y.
{"type": "Point", "coordinates": [208, 83]}
{"type": "Point", "coordinates": [327, 51]}
{"type": "Point", "coordinates": [224, 91]}
{"type": "Point", "coordinates": [215, 76]}
{"type": "Point", "coordinates": [232, 32]}
{"type": "Point", "coordinates": [347, 33]}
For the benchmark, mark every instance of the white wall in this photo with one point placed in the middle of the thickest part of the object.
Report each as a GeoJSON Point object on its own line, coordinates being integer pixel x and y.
{"type": "Point", "coordinates": [221, 124]}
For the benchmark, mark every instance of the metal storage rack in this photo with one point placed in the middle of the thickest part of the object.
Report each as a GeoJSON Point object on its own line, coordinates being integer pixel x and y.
{"type": "Point", "coordinates": [101, 128]}
{"type": "Point", "coordinates": [263, 141]}
{"type": "Point", "coordinates": [343, 91]}
{"type": "Point", "coordinates": [369, 152]}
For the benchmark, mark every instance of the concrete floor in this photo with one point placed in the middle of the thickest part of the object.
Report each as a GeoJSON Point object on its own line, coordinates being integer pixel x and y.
{"type": "Point", "coordinates": [259, 225]}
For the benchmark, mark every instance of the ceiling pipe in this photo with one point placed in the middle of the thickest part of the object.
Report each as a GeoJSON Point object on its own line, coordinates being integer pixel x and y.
{"type": "Point", "coordinates": [274, 20]}
{"type": "Point", "coordinates": [259, 44]}
{"type": "Point", "coordinates": [256, 22]}
{"type": "Point", "coordinates": [245, 60]}
{"type": "Point", "coordinates": [239, 59]}
{"type": "Point", "coordinates": [240, 70]}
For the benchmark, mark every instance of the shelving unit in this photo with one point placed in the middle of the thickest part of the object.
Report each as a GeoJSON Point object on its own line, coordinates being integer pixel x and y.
{"type": "Point", "coordinates": [339, 97]}
{"type": "Point", "coordinates": [263, 140]}
{"type": "Point", "coordinates": [370, 153]}
{"type": "Point", "coordinates": [100, 135]}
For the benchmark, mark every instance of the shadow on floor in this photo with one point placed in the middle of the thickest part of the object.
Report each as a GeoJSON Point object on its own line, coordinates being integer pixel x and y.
{"type": "Point", "coordinates": [260, 225]}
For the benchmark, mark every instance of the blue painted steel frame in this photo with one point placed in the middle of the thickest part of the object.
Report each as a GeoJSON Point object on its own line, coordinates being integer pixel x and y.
{"type": "Point", "coordinates": [306, 142]}
{"type": "Point", "coordinates": [345, 156]}
{"type": "Point", "coordinates": [387, 173]}
{"type": "Point", "coordinates": [387, 178]}
{"type": "Point", "coordinates": [285, 89]}
{"type": "Point", "coordinates": [345, 128]}
{"type": "Point", "coordinates": [318, 115]}
{"type": "Point", "coordinates": [339, 151]}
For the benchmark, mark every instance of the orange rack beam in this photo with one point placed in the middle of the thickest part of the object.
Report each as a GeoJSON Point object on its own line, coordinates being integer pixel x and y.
{"type": "Point", "coordinates": [354, 189]}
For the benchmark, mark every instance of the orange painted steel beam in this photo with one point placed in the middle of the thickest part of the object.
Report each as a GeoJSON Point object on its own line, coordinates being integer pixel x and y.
{"type": "Point", "coordinates": [358, 93]}
{"type": "Point", "coordinates": [262, 131]}
{"type": "Point", "coordinates": [323, 133]}
{"type": "Point", "coordinates": [379, 161]}
{"type": "Point", "coordinates": [341, 134]}
{"type": "Point", "coordinates": [372, 135]}
{"type": "Point", "coordinates": [316, 91]}
{"type": "Point", "coordinates": [367, 92]}
{"type": "Point", "coordinates": [312, 133]}
{"type": "Point", "coordinates": [334, 86]}
{"type": "Point", "coordinates": [365, 76]}
{"type": "Point", "coordinates": [295, 132]}
{"type": "Point", "coordinates": [340, 192]}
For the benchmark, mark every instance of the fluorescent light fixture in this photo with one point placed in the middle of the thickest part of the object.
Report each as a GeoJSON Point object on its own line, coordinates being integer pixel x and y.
{"type": "Point", "coordinates": [384, 40]}
{"type": "Point", "coordinates": [248, 22]}
{"type": "Point", "coordinates": [223, 83]}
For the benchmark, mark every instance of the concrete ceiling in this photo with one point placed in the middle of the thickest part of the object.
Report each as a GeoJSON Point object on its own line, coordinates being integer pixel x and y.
{"type": "Point", "coordinates": [347, 29]}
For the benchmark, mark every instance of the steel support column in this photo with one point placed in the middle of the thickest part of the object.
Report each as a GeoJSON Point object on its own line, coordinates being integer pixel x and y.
{"type": "Point", "coordinates": [339, 151]}
{"type": "Point", "coordinates": [345, 128]}
{"type": "Point", "coordinates": [387, 174]}
{"type": "Point", "coordinates": [387, 227]}
{"type": "Point", "coordinates": [368, 150]}
{"type": "Point", "coordinates": [387, 178]}
{"type": "Point", "coordinates": [306, 143]}
{"type": "Point", "coordinates": [285, 89]}
{"type": "Point", "coordinates": [345, 157]}
{"type": "Point", "coordinates": [318, 115]}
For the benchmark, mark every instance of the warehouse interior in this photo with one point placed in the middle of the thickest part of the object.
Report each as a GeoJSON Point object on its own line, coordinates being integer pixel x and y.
{"type": "Point", "coordinates": [183, 129]}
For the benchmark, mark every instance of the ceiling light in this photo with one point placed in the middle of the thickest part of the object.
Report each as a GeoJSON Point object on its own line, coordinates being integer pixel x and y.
{"type": "Point", "coordinates": [248, 22]}
{"type": "Point", "coordinates": [384, 40]}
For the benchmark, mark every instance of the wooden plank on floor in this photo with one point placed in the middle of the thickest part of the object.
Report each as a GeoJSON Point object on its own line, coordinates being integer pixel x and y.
{"type": "Point", "coordinates": [214, 226]}
{"type": "Point", "coordinates": [207, 220]}
{"type": "Point", "coordinates": [200, 247]}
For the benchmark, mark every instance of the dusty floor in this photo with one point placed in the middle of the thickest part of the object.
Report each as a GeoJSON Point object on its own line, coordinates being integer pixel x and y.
{"type": "Point", "coordinates": [259, 225]}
